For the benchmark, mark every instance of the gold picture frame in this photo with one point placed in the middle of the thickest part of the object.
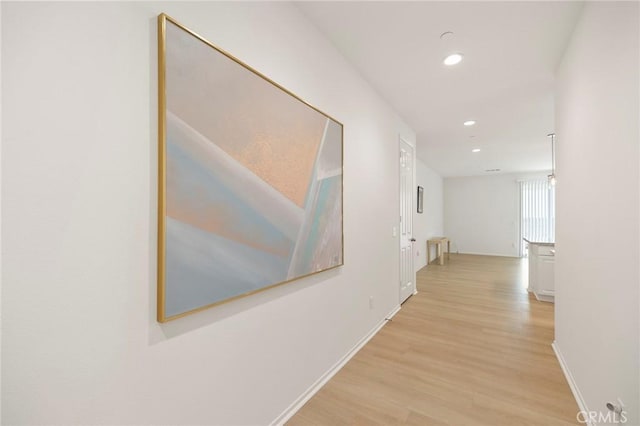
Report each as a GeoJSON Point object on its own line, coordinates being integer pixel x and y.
{"type": "Point", "coordinates": [250, 179]}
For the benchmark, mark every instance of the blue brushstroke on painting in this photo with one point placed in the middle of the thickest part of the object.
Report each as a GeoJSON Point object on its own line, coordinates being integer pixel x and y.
{"type": "Point", "coordinates": [326, 196]}
{"type": "Point", "coordinates": [246, 220]}
{"type": "Point", "coordinates": [205, 268]}
{"type": "Point", "coordinates": [202, 267]}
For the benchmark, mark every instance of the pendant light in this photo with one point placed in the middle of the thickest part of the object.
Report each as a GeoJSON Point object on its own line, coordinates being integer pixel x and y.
{"type": "Point", "coordinates": [552, 176]}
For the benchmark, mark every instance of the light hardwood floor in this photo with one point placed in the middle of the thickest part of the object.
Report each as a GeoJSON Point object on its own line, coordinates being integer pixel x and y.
{"type": "Point", "coordinates": [471, 348]}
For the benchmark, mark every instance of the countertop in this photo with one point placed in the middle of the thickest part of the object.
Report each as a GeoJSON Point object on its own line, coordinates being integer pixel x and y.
{"type": "Point", "coordinates": [539, 243]}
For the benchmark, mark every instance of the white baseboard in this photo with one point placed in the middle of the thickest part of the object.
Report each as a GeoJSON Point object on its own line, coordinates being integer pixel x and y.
{"type": "Point", "coordinates": [306, 395]}
{"type": "Point", "coordinates": [572, 384]}
{"type": "Point", "coordinates": [377, 328]}
{"type": "Point", "coordinates": [487, 254]}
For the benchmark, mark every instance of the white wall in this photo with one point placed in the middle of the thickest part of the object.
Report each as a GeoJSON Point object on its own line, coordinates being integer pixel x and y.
{"type": "Point", "coordinates": [80, 341]}
{"type": "Point", "coordinates": [429, 223]}
{"type": "Point", "coordinates": [597, 233]}
{"type": "Point", "coordinates": [482, 213]}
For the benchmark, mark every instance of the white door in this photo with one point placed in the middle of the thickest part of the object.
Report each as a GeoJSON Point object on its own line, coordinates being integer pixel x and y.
{"type": "Point", "coordinates": [407, 273]}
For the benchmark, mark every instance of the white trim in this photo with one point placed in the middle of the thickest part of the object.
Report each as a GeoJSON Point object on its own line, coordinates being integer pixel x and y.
{"type": "Point", "coordinates": [315, 387]}
{"type": "Point", "coordinates": [549, 298]}
{"type": "Point", "coordinates": [408, 140]}
{"type": "Point", "coordinates": [572, 383]}
{"type": "Point", "coordinates": [536, 177]}
{"type": "Point", "coordinates": [392, 314]}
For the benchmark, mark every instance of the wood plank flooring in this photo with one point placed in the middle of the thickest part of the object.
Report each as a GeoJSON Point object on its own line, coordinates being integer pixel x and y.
{"type": "Point", "coordinates": [471, 348]}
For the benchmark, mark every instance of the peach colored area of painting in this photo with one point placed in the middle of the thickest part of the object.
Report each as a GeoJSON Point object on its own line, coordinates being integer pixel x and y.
{"type": "Point", "coordinates": [194, 209]}
{"type": "Point", "coordinates": [268, 131]}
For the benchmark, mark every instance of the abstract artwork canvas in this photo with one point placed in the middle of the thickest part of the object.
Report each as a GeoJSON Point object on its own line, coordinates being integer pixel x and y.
{"type": "Point", "coordinates": [250, 179]}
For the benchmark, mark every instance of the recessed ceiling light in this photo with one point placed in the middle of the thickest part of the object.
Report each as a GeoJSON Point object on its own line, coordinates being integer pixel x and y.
{"type": "Point", "coordinates": [469, 122]}
{"type": "Point", "coordinates": [453, 59]}
{"type": "Point", "coordinates": [475, 150]}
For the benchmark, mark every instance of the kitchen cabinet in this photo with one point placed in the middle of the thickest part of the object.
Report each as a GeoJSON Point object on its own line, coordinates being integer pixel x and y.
{"type": "Point", "coordinates": [541, 270]}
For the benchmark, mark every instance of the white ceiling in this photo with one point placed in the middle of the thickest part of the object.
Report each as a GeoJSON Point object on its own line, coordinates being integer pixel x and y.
{"type": "Point", "coordinates": [505, 82]}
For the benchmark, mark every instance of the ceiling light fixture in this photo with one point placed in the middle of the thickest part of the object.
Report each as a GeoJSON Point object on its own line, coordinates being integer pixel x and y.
{"type": "Point", "coordinates": [453, 59]}
{"type": "Point", "coordinates": [469, 123]}
{"type": "Point", "coordinates": [552, 176]}
{"type": "Point", "coordinates": [446, 35]}
{"type": "Point", "coordinates": [475, 150]}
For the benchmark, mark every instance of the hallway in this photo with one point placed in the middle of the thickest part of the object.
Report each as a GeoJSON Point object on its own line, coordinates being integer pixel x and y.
{"type": "Point", "coordinates": [471, 348]}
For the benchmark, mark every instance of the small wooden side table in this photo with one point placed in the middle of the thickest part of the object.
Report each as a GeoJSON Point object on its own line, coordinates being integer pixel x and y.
{"type": "Point", "coordinates": [438, 242]}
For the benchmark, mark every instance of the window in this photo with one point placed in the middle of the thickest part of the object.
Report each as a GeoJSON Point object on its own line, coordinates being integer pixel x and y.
{"type": "Point", "coordinates": [537, 212]}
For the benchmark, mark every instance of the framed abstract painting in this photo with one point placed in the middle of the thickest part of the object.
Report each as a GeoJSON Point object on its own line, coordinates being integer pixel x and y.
{"type": "Point", "coordinates": [249, 181]}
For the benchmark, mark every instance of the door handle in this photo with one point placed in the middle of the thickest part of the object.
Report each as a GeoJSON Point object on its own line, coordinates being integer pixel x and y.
{"type": "Point", "coordinates": [413, 240]}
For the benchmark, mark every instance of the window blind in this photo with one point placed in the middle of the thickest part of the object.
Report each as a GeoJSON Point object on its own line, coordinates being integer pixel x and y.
{"type": "Point", "coordinates": [537, 212]}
